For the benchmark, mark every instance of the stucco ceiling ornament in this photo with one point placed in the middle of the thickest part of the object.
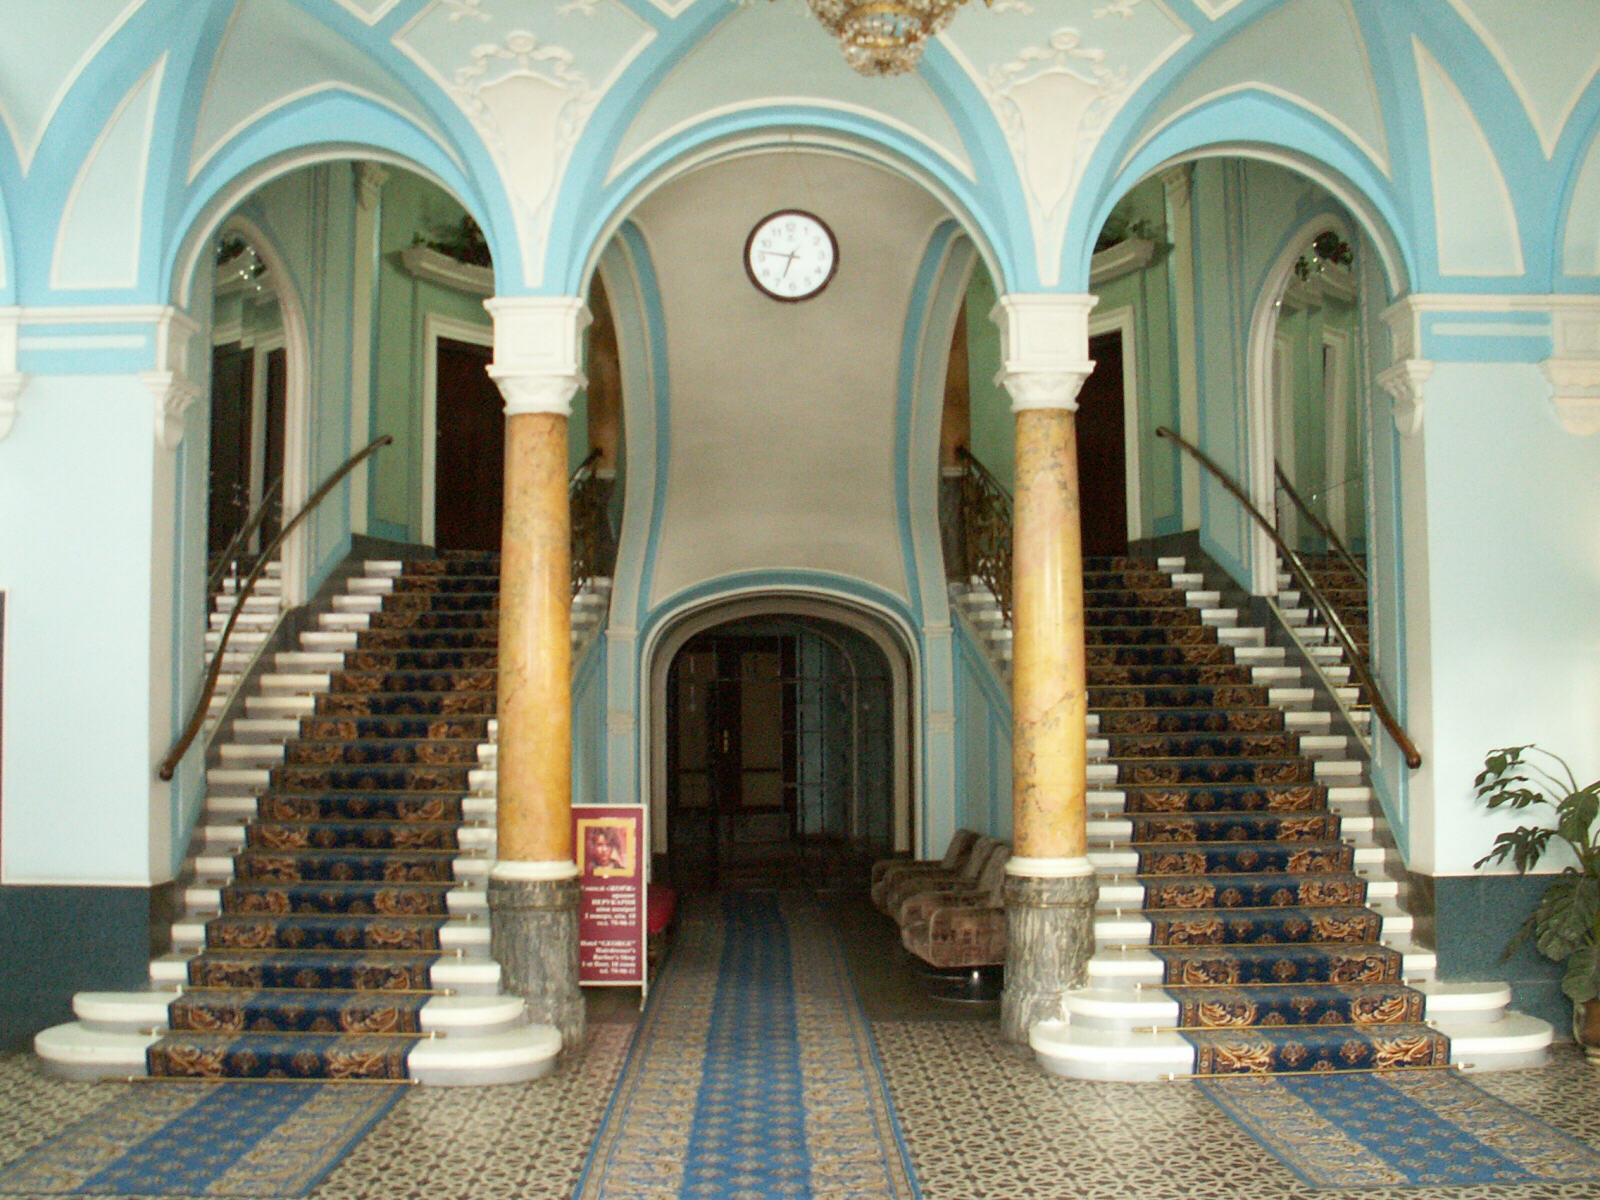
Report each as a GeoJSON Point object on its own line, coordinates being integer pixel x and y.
{"type": "Point", "coordinates": [884, 37]}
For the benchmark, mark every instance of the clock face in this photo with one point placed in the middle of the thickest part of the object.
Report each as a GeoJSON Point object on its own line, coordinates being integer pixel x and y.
{"type": "Point", "coordinates": [791, 255]}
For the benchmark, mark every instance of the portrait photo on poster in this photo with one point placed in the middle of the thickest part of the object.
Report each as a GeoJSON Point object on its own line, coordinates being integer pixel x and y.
{"type": "Point", "coordinates": [605, 846]}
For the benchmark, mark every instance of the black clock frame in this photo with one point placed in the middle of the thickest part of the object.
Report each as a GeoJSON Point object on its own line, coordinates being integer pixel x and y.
{"type": "Point", "coordinates": [750, 241]}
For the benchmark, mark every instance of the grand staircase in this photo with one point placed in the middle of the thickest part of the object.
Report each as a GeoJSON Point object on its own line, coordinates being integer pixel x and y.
{"type": "Point", "coordinates": [1249, 906]}
{"type": "Point", "coordinates": [335, 920]}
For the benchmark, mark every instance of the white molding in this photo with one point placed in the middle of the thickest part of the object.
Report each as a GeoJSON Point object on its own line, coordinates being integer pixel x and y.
{"type": "Point", "coordinates": [12, 381]}
{"type": "Point", "coordinates": [538, 351]}
{"type": "Point", "coordinates": [434, 267]}
{"type": "Point", "coordinates": [1044, 348]}
{"type": "Point", "coordinates": [435, 328]}
{"type": "Point", "coordinates": [1126, 257]}
{"type": "Point", "coordinates": [1122, 321]}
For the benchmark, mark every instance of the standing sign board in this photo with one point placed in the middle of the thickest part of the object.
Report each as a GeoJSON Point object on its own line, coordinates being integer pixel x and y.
{"type": "Point", "coordinates": [609, 839]}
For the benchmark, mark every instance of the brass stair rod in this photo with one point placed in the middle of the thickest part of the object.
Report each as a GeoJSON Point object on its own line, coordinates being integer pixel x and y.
{"type": "Point", "coordinates": [169, 764]}
{"type": "Point", "coordinates": [1380, 707]}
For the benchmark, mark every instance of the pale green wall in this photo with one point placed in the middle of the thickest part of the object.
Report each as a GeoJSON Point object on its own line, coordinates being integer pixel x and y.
{"type": "Point", "coordinates": [993, 428]}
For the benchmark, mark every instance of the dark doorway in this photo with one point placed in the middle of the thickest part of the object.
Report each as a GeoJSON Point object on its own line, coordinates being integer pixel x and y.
{"type": "Point", "coordinates": [779, 756]}
{"type": "Point", "coordinates": [272, 450]}
{"type": "Point", "coordinates": [469, 450]}
{"type": "Point", "coordinates": [232, 371]}
{"type": "Point", "coordinates": [1102, 451]}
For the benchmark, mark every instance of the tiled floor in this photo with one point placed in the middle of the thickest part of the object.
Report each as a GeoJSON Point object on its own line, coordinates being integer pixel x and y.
{"type": "Point", "coordinates": [980, 1119]}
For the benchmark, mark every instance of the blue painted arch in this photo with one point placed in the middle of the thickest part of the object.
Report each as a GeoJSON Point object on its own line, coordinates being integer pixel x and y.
{"type": "Point", "coordinates": [297, 136]}
{"type": "Point", "coordinates": [1279, 132]}
{"type": "Point", "coordinates": [588, 212]}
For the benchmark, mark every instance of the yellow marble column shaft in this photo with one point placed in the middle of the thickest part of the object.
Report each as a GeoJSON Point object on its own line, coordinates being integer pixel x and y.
{"type": "Point", "coordinates": [1048, 687]}
{"type": "Point", "coordinates": [535, 748]}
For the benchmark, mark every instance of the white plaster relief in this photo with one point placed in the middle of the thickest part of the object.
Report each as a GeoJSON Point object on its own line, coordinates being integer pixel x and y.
{"type": "Point", "coordinates": [1405, 380]}
{"type": "Point", "coordinates": [672, 8]}
{"type": "Point", "coordinates": [527, 95]}
{"type": "Point", "coordinates": [1053, 102]}
{"type": "Point", "coordinates": [1217, 8]}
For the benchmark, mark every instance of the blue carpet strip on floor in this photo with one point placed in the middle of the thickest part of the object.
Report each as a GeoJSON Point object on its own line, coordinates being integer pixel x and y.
{"type": "Point", "coordinates": [235, 1139]}
{"type": "Point", "coordinates": [1413, 1129]}
{"type": "Point", "coordinates": [753, 1071]}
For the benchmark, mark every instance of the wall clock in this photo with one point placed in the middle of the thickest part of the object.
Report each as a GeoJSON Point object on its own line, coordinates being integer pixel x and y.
{"type": "Point", "coordinates": [791, 255]}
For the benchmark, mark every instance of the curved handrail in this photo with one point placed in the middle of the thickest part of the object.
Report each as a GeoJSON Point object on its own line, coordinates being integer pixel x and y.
{"type": "Point", "coordinates": [252, 523]}
{"type": "Point", "coordinates": [1380, 708]}
{"type": "Point", "coordinates": [169, 765]}
{"type": "Point", "coordinates": [1319, 524]}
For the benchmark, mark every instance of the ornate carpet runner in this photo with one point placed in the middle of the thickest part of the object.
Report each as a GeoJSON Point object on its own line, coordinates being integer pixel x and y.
{"type": "Point", "coordinates": [319, 963]}
{"type": "Point", "coordinates": [1257, 913]}
{"type": "Point", "coordinates": [236, 1139]}
{"type": "Point", "coordinates": [1405, 1129]}
{"type": "Point", "coordinates": [753, 1071]}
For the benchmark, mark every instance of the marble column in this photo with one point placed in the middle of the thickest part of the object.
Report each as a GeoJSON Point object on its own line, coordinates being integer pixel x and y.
{"type": "Point", "coordinates": [1050, 888]}
{"type": "Point", "coordinates": [533, 886]}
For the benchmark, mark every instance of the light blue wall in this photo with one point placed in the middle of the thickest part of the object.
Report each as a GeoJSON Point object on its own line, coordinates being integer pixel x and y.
{"type": "Point", "coordinates": [589, 725]}
{"type": "Point", "coordinates": [983, 744]}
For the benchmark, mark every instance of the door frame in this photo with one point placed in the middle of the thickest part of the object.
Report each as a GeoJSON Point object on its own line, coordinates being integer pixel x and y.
{"type": "Point", "coordinates": [436, 328]}
{"type": "Point", "coordinates": [898, 650]}
{"type": "Point", "coordinates": [1122, 321]}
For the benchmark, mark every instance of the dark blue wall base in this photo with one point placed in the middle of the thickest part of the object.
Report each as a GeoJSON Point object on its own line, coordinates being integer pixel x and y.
{"type": "Point", "coordinates": [1474, 917]}
{"type": "Point", "coordinates": [55, 941]}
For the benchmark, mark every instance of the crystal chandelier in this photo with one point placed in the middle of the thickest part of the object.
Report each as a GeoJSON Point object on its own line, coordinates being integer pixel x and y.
{"type": "Point", "coordinates": [884, 37]}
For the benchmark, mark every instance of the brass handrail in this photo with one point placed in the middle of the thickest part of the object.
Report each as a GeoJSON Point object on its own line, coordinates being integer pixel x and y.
{"type": "Point", "coordinates": [593, 550]}
{"type": "Point", "coordinates": [1375, 699]}
{"type": "Point", "coordinates": [169, 764]}
{"type": "Point", "coordinates": [1320, 525]}
{"type": "Point", "coordinates": [259, 514]}
{"type": "Point", "coordinates": [986, 525]}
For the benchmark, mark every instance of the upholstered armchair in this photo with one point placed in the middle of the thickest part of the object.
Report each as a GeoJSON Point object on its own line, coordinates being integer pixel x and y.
{"type": "Point", "coordinates": [901, 889]}
{"type": "Point", "coordinates": [887, 871]}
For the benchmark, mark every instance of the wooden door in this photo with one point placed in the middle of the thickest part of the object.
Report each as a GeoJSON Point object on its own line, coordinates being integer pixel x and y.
{"type": "Point", "coordinates": [1102, 451]}
{"type": "Point", "coordinates": [229, 482]}
{"type": "Point", "coordinates": [731, 753]}
{"type": "Point", "coordinates": [272, 450]}
{"type": "Point", "coordinates": [469, 450]}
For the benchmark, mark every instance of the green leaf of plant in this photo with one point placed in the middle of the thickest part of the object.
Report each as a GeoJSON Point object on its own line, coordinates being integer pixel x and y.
{"type": "Point", "coordinates": [1565, 918]}
{"type": "Point", "coordinates": [1575, 814]}
{"type": "Point", "coordinates": [1582, 979]}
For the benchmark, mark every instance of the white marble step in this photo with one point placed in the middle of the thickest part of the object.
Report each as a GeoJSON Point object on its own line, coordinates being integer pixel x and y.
{"type": "Point", "coordinates": [466, 868]}
{"type": "Point", "coordinates": [1104, 773]}
{"type": "Point", "coordinates": [226, 837]}
{"type": "Point", "coordinates": [440, 1016]}
{"type": "Point", "coordinates": [1128, 966]}
{"type": "Point", "coordinates": [503, 1055]}
{"type": "Point", "coordinates": [266, 729]}
{"type": "Point", "coordinates": [222, 807]}
{"type": "Point", "coordinates": [1245, 635]}
{"type": "Point", "coordinates": [1096, 1053]}
{"type": "Point", "coordinates": [357, 604]}
{"type": "Point", "coordinates": [369, 585]}
{"type": "Point", "coordinates": [1125, 892]}
{"type": "Point", "coordinates": [279, 706]}
{"type": "Point", "coordinates": [1116, 861]}
{"type": "Point", "coordinates": [1116, 929]}
{"type": "Point", "coordinates": [390, 567]}
{"type": "Point", "coordinates": [238, 639]}
{"type": "Point", "coordinates": [1312, 745]}
{"type": "Point", "coordinates": [1298, 721]}
{"type": "Point", "coordinates": [279, 682]}
{"type": "Point", "coordinates": [329, 640]}
{"type": "Point", "coordinates": [248, 619]}
{"type": "Point", "coordinates": [459, 935]}
{"type": "Point", "coordinates": [254, 602]}
{"type": "Point", "coordinates": [462, 974]}
{"type": "Point", "coordinates": [344, 620]}
{"type": "Point", "coordinates": [1108, 826]}
{"type": "Point", "coordinates": [1132, 1009]}
{"type": "Point", "coordinates": [308, 660]}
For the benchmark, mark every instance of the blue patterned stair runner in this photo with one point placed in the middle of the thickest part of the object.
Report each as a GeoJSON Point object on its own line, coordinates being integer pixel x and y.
{"type": "Point", "coordinates": [1256, 912]}
{"type": "Point", "coordinates": [319, 964]}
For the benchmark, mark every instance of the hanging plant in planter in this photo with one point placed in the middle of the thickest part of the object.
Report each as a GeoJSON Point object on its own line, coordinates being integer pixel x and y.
{"type": "Point", "coordinates": [1565, 925]}
{"type": "Point", "coordinates": [463, 242]}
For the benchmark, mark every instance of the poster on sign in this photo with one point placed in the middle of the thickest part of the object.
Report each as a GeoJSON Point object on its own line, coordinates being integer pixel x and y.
{"type": "Point", "coordinates": [609, 839]}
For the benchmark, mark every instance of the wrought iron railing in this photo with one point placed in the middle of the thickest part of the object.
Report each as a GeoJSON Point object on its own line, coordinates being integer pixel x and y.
{"type": "Point", "coordinates": [1355, 658]}
{"type": "Point", "coordinates": [984, 519]}
{"type": "Point", "coordinates": [169, 765]}
{"type": "Point", "coordinates": [594, 549]}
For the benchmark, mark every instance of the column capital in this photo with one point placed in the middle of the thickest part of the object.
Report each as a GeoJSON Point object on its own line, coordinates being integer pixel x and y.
{"type": "Point", "coordinates": [1044, 348]}
{"type": "Point", "coordinates": [370, 178]}
{"type": "Point", "coordinates": [169, 383]}
{"type": "Point", "coordinates": [538, 351]}
{"type": "Point", "coordinates": [1573, 367]}
{"type": "Point", "coordinates": [1404, 381]}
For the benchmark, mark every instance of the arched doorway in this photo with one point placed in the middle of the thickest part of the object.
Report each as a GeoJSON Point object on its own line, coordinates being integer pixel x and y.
{"type": "Point", "coordinates": [779, 736]}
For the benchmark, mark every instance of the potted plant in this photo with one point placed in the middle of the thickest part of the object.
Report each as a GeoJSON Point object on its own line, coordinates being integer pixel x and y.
{"type": "Point", "coordinates": [1565, 925]}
